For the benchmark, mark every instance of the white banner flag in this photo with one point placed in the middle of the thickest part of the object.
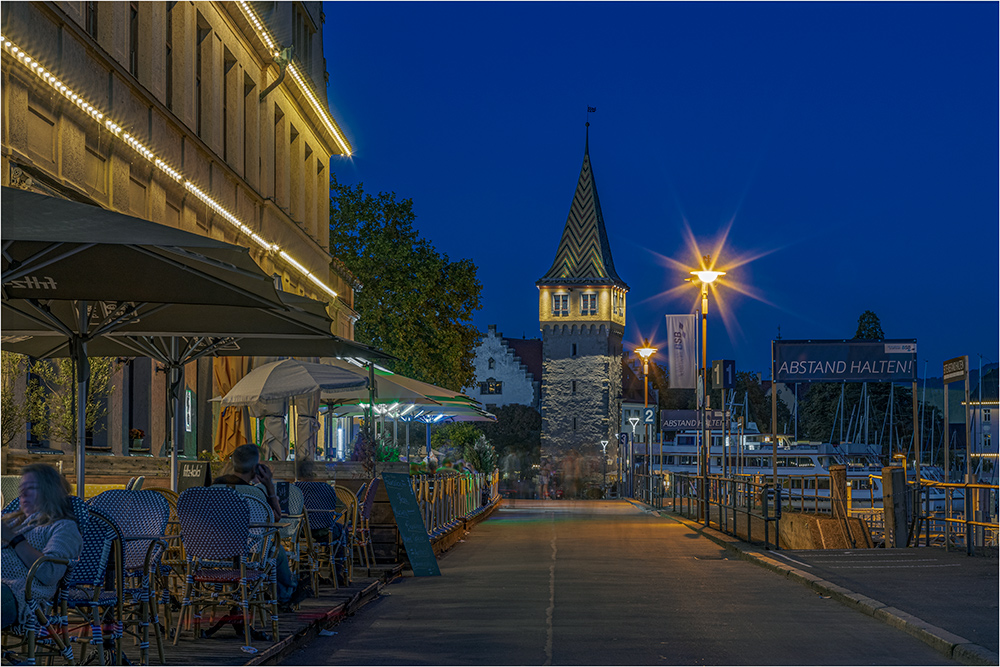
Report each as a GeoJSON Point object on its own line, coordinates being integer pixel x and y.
{"type": "Point", "coordinates": [683, 354]}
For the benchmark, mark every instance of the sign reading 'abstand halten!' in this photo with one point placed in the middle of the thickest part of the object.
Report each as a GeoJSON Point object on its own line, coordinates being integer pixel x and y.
{"type": "Point", "coordinates": [411, 525]}
{"type": "Point", "coordinates": [676, 420]}
{"type": "Point", "coordinates": [845, 360]}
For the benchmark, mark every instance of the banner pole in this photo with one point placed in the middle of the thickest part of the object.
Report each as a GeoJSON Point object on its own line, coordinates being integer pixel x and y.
{"type": "Point", "coordinates": [774, 419]}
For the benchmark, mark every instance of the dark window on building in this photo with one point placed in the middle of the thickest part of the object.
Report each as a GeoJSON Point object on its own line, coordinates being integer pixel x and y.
{"type": "Point", "coordinates": [493, 364]}
{"type": "Point", "coordinates": [133, 38]}
{"type": "Point", "coordinates": [169, 64]}
{"type": "Point", "coordinates": [228, 69]}
{"type": "Point", "coordinates": [491, 386]}
{"type": "Point", "coordinates": [302, 36]}
{"type": "Point", "coordinates": [91, 11]}
{"type": "Point", "coordinates": [203, 33]}
{"type": "Point", "coordinates": [572, 385]}
{"type": "Point", "coordinates": [572, 352]}
{"type": "Point", "coordinates": [574, 423]}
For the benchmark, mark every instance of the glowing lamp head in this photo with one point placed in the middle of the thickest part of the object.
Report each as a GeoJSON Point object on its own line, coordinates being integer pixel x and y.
{"type": "Point", "coordinates": [645, 352]}
{"type": "Point", "coordinates": [707, 277]}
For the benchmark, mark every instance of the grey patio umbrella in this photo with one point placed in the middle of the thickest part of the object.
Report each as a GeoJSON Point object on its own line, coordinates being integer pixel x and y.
{"type": "Point", "coordinates": [83, 272]}
{"type": "Point", "coordinates": [290, 378]}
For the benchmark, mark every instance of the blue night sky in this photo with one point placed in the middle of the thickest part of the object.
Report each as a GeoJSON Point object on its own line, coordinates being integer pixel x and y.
{"type": "Point", "coordinates": [850, 150]}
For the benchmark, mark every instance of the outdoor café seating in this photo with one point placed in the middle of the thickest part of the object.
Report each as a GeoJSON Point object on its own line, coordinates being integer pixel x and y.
{"type": "Point", "coordinates": [328, 542]}
{"type": "Point", "coordinates": [42, 637]}
{"type": "Point", "coordinates": [365, 545]}
{"type": "Point", "coordinates": [229, 546]}
{"type": "Point", "coordinates": [141, 518]}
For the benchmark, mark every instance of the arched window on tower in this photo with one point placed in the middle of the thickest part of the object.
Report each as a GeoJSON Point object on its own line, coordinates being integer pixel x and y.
{"type": "Point", "coordinates": [492, 363]}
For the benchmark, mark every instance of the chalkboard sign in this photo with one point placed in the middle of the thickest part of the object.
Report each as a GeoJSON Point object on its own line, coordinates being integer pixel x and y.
{"type": "Point", "coordinates": [411, 525]}
{"type": "Point", "coordinates": [193, 473]}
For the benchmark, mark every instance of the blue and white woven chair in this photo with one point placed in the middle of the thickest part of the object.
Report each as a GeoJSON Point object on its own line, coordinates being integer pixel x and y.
{"type": "Point", "coordinates": [321, 509]}
{"type": "Point", "coordinates": [87, 604]}
{"type": "Point", "coordinates": [141, 517]}
{"type": "Point", "coordinates": [229, 556]}
{"type": "Point", "coordinates": [41, 636]}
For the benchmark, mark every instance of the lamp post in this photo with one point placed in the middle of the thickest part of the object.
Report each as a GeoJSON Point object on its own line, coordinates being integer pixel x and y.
{"type": "Point", "coordinates": [706, 277]}
{"type": "Point", "coordinates": [604, 450]}
{"type": "Point", "coordinates": [645, 352]}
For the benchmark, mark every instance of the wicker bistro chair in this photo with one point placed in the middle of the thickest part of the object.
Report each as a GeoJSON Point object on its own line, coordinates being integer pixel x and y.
{"type": "Point", "coordinates": [170, 575]}
{"type": "Point", "coordinates": [41, 637]}
{"type": "Point", "coordinates": [349, 520]}
{"type": "Point", "coordinates": [229, 553]}
{"type": "Point", "coordinates": [88, 604]}
{"type": "Point", "coordinates": [296, 536]}
{"type": "Point", "coordinates": [141, 517]}
{"type": "Point", "coordinates": [321, 513]}
{"type": "Point", "coordinates": [364, 517]}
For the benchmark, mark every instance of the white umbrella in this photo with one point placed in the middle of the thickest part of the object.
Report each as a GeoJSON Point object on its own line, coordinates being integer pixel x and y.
{"type": "Point", "coordinates": [288, 378]}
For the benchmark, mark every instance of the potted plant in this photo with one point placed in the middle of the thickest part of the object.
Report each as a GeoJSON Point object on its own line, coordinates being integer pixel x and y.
{"type": "Point", "coordinates": [136, 435]}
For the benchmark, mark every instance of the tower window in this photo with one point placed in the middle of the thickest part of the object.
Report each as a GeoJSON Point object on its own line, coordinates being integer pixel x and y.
{"type": "Point", "coordinates": [574, 423]}
{"type": "Point", "coordinates": [572, 352]}
{"type": "Point", "coordinates": [560, 305]}
{"type": "Point", "coordinates": [588, 304]}
{"type": "Point", "coordinates": [492, 363]}
{"type": "Point", "coordinates": [572, 386]}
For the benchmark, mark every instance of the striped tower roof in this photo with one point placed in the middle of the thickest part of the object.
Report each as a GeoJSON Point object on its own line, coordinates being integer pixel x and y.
{"type": "Point", "coordinates": [584, 254]}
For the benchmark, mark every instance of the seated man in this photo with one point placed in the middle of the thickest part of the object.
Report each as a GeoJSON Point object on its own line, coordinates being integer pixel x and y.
{"type": "Point", "coordinates": [249, 471]}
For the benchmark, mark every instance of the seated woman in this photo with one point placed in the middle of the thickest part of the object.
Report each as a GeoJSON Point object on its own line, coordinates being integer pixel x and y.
{"type": "Point", "coordinates": [44, 525]}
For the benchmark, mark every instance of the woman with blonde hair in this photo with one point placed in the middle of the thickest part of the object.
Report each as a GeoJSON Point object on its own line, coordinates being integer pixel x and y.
{"type": "Point", "coordinates": [43, 525]}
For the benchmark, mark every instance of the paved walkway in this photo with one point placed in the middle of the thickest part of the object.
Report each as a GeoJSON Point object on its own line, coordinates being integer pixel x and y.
{"type": "Point", "coordinates": [611, 583]}
{"type": "Point", "coordinates": [947, 599]}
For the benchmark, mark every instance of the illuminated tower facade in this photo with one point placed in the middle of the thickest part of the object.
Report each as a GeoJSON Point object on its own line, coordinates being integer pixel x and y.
{"type": "Point", "coordinates": [581, 313]}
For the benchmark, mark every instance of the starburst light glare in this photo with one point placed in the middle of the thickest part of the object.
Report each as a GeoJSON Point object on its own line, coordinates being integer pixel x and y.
{"type": "Point", "coordinates": [708, 277]}
{"type": "Point", "coordinates": [75, 98]}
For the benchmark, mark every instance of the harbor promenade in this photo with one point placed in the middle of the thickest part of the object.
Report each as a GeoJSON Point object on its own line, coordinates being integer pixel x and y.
{"type": "Point", "coordinates": [599, 582]}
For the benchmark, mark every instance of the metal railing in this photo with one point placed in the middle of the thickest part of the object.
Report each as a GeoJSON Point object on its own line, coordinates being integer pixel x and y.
{"type": "Point", "coordinates": [447, 500]}
{"type": "Point", "coordinates": [954, 515]}
{"type": "Point", "coordinates": [743, 507]}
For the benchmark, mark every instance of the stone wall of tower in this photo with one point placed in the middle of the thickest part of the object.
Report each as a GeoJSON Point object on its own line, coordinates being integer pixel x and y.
{"type": "Point", "coordinates": [575, 421]}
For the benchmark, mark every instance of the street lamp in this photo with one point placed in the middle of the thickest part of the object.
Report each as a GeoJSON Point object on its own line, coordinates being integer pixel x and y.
{"type": "Point", "coordinates": [706, 276]}
{"type": "Point", "coordinates": [645, 352]}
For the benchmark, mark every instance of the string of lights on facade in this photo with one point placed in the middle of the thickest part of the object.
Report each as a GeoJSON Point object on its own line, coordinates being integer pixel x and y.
{"type": "Point", "coordinates": [39, 70]}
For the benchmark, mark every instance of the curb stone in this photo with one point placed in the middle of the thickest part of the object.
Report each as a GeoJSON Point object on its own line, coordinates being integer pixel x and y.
{"type": "Point", "coordinates": [946, 643]}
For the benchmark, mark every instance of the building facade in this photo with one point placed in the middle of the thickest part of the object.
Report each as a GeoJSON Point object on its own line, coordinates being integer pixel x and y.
{"type": "Point", "coordinates": [508, 371]}
{"type": "Point", "coordinates": [211, 117]}
{"type": "Point", "coordinates": [581, 313]}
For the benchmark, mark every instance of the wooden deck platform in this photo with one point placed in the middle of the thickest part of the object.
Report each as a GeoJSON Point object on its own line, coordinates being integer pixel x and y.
{"type": "Point", "coordinates": [314, 614]}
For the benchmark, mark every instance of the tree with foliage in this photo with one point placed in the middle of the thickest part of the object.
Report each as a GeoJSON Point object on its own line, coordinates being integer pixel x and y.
{"type": "Point", "coordinates": [759, 404]}
{"type": "Point", "coordinates": [415, 303]}
{"type": "Point", "coordinates": [458, 436]}
{"type": "Point", "coordinates": [518, 428]}
{"type": "Point", "coordinates": [18, 407]}
{"type": "Point", "coordinates": [869, 327]}
{"type": "Point", "coordinates": [50, 400]}
{"type": "Point", "coordinates": [670, 399]}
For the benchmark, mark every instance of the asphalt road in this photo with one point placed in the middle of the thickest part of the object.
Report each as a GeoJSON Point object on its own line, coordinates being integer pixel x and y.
{"type": "Point", "coordinates": [604, 583]}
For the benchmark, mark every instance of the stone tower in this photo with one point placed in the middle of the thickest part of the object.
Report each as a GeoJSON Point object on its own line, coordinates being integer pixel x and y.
{"type": "Point", "coordinates": [581, 313]}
